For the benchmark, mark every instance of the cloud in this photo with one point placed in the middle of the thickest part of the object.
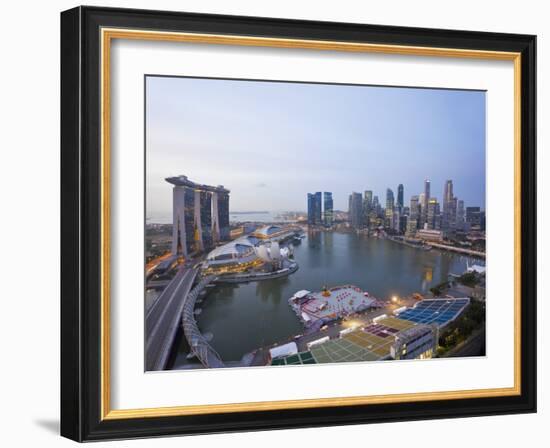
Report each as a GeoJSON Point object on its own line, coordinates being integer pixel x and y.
{"type": "Point", "coordinates": [261, 185]}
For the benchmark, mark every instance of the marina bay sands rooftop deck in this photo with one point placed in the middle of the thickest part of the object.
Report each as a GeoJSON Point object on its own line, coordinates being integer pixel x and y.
{"type": "Point", "coordinates": [183, 181]}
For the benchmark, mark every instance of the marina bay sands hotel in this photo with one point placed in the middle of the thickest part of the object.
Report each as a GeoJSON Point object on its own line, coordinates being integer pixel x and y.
{"type": "Point", "coordinates": [201, 216]}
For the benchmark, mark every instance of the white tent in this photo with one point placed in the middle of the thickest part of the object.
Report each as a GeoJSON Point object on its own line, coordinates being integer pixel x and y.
{"type": "Point", "coordinates": [283, 350]}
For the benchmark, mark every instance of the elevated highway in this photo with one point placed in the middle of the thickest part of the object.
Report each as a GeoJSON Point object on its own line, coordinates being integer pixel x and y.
{"type": "Point", "coordinates": [162, 319]}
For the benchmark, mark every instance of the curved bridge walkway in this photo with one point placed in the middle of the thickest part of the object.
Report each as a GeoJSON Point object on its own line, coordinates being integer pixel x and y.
{"type": "Point", "coordinates": [198, 344]}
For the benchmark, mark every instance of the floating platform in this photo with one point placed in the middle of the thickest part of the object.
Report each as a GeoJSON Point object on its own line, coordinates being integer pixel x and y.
{"type": "Point", "coordinates": [330, 304]}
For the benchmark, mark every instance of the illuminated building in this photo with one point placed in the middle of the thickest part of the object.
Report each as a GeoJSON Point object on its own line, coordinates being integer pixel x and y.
{"type": "Point", "coordinates": [425, 197]}
{"type": "Point", "coordinates": [433, 215]}
{"type": "Point", "coordinates": [200, 215]}
{"type": "Point", "coordinates": [414, 210]}
{"type": "Point", "coordinates": [447, 218]}
{"type": "Point", "coordinates": [273, 233]}
{"type": "Point", "coordinates": [418, 342]}
{"type": "Point", "coordinates": [367, 206]}
{"type": "Point", "coordinates": [233, 257]}
{"type": "Point", "coordinates": [429, 235]}
{"type": "Point", "coordinates": [389, 208]}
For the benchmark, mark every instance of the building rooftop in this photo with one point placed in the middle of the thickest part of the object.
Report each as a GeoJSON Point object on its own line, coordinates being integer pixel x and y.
{"type": "Point", "coordinates": [331, 304]}
{"type": "Point", "coordinates": [370, 343]}
{"type": "Point", "coordinates": [436, 311]}
{"type": "Point", "coordinates": [183, 181]}
{"type": "Point", "coordinates": [234, 249]}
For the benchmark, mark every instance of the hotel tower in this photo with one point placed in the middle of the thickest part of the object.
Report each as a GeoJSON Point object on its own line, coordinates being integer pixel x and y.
{"type": "Point", "coordinates": [200, 216]}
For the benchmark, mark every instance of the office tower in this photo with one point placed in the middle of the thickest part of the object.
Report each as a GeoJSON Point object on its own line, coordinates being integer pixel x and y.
{"type": "Point", "coordinates": [400, 194]}
{"type": "Point", "coordinates": [314, 201]}
{"type": "Point", "coordinates": [473, 217]}
{"type": "Point", "coordinates": [426, 192]}
{"type": "Point", "coordinates": [448, 191]}
{"type": "Point", "coordinates": [367, 206]}
{"type": "Point", "coordinates": [328, 215]}
{"type": "Point", "coordinates": [412, 225]}
{"type": "Point", "coordinates": [460, 216]}
{"type": "Point", "coordinates": [390, 202]}
{"type": "Point", "coordinates": [447, 196]}
{"type": "Point", "coordinates": [453, 205]}
{"type": "Point", "coordinates": [414, 212]}
{"type": "Point", "coordinates": [310, 208]}
{"type": "Point", "coordinates": [425, 200]}
{"type": "Point", "coordinates": [482, 222]}
{"type": "Point", "coordinates": [433, 215]}
{"type": "Point", "coordinates": [395, 219]}
{"type": "Point", "coordinates": [318, 208]}
{"type": "Point", "coordinates": [356, 210]}
{"type": "Point", "coordinates": [403, 221]}
{"type": "Point", "coordinates": [368, 197]}
{"type": "Point", "coordinates": [423, 209]}
{"type": "Point", "coordinates": [376, 205]}
{"type": "Point", "coordinates": [450, 203]}
{"type": "Point", "coordinates": [389, 207]}
{"type": "Point", "coordinates": [200, 215]}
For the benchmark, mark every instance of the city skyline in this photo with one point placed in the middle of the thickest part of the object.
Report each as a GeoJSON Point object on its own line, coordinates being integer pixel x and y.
{"type": "Point", "coordinates": [272, 143]}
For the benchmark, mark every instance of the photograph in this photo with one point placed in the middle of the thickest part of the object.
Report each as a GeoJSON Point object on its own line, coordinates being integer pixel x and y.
{"type": "Point", "coordinates": [278, 223]}
{"type": "Point", "coordinates": [297, 223]}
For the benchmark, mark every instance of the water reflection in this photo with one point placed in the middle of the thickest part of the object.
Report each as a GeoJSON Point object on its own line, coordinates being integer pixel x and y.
{"type": "Point", "coordinates": [246, 316]}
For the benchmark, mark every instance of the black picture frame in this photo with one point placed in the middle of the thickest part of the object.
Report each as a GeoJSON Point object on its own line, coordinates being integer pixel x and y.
{"type": "Point", "coordinates": [81, 224]}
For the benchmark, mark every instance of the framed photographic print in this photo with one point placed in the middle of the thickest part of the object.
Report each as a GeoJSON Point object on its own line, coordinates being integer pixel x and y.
{"type": "Point", "coordinates": [273, 223]}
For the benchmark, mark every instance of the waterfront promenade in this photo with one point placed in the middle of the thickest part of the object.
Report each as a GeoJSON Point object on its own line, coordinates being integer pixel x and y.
{"type": "Point", "coordinates": [459, 250]}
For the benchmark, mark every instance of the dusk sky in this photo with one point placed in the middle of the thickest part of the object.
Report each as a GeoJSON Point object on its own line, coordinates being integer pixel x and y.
{"type": "Point", "coordinates": [271, 143]}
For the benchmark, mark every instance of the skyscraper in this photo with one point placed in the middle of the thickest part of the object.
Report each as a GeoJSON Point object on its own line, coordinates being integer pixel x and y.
{"type": "Point", "coordinates": [400, 194]}
{"type": "Point", "coordinates": [473, 217]}
{"type": "Point", "coordinates": [414, 214]}
{"type": "Point", "coordinates": [376, 204]}
{"type": "Point", "coordinates": [433, 216]}
{"type": "Point", "coordinates": [449, 207]}
{"type": "Point", "coordinates": [328, 214]}
{"type": "Point", "coordinates": [424, 204]}
{"type": "Point", "coordinates": [200, 215]}
{"type": "Point", "coordinates": [460, 216]}
{"type": "Point", "coordinates": [390, 201]}
{"type": "Point", "coordinates": [426, 191]}
{"type": "Point", "coordinates": [367, 206]}
{"type": "Point", "coordinates": [314, 201]}
{"type": "Point", "coordinates": [310, 208]}
{"type": "Point", "coordinates": [368, 197]}
{"type": "Point", "coordinates": [356, 210]}
{"type": "Point", "coordinates": [205, 222]}
{"type": "Point", "coordinates": [389, 207]}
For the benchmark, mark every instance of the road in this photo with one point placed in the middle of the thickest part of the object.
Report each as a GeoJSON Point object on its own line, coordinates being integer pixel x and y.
{"type": "Point", "coordinates": [162, 319]}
